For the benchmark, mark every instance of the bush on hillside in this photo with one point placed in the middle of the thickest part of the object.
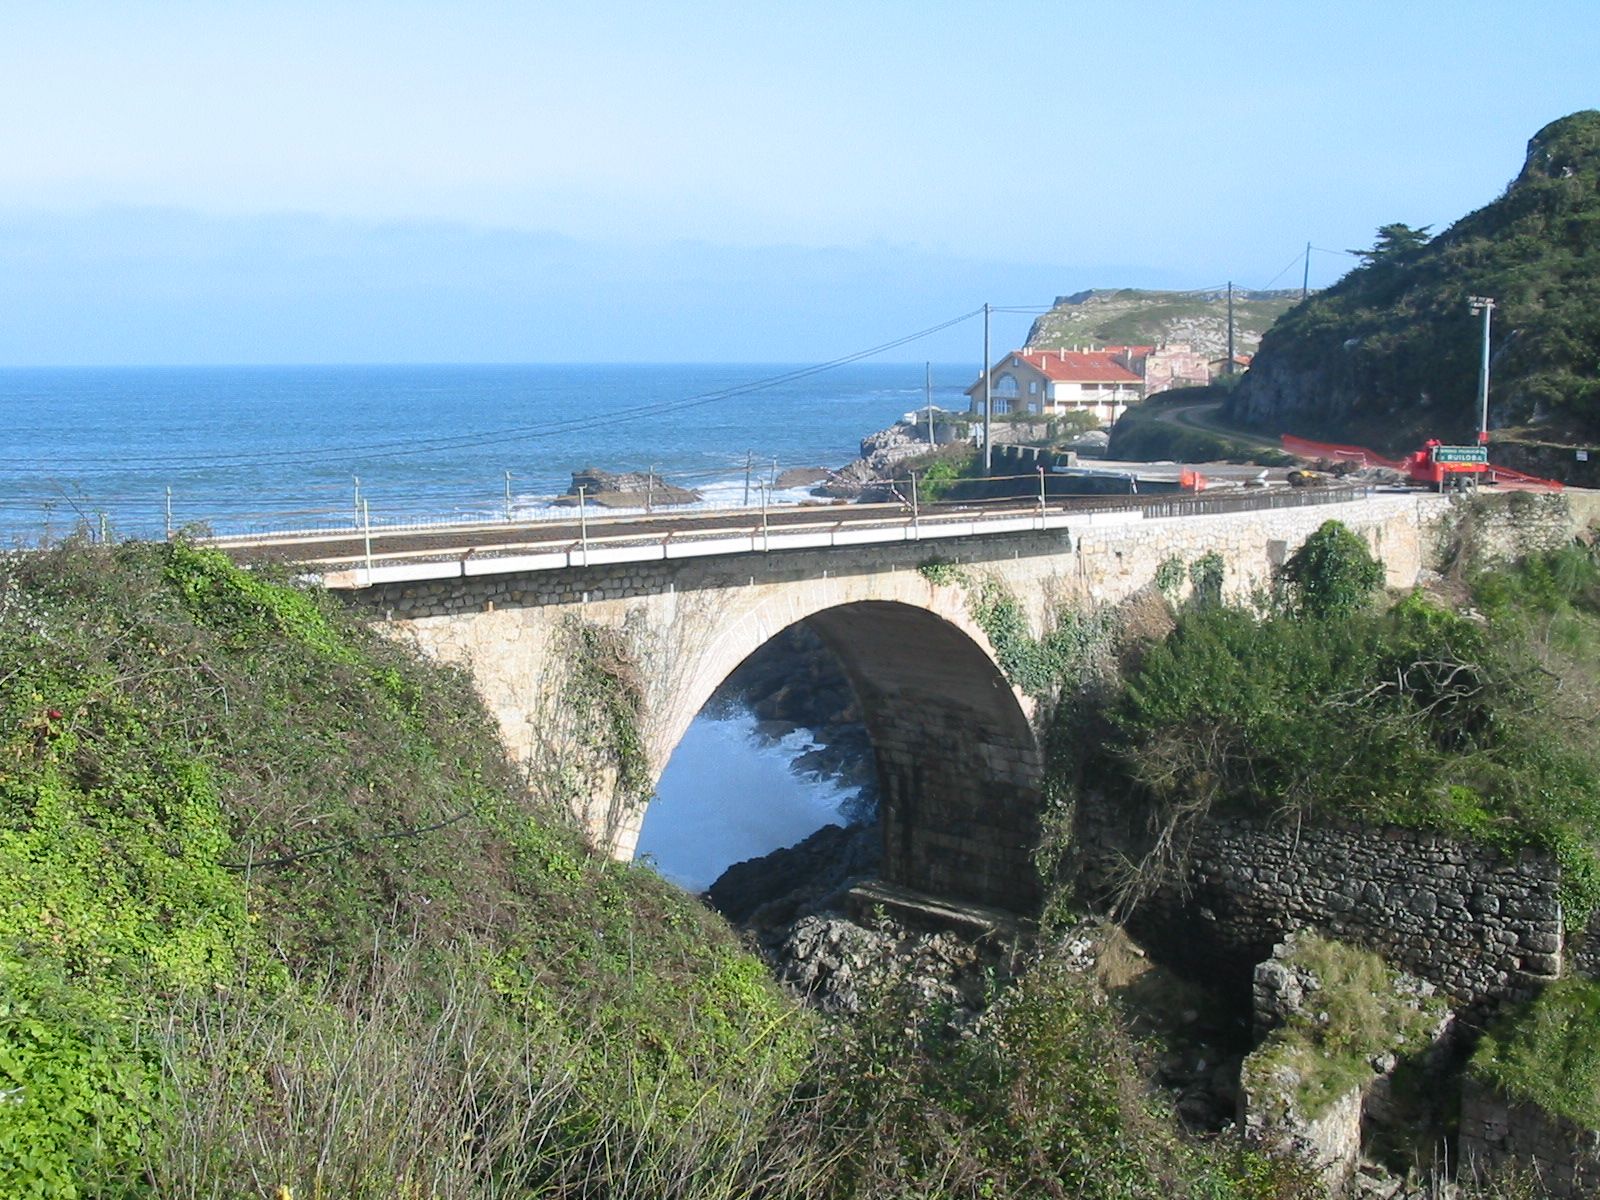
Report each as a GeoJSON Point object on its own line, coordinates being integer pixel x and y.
{"type": "Point", "coordinates": [1417, 715]}
{"type": "Point", "coordinates": [225, 802]}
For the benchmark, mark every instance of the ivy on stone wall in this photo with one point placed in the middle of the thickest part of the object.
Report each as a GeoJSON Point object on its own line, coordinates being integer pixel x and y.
{"type": "Point", "coordinates": [607, 693]}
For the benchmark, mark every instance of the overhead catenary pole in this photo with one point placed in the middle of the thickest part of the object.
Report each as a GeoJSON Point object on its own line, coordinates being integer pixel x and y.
{"type": "Point", "coordinates": [927, 396]}
{"type": "Point", "coordinates": [508, 495]}
{"type": "Point", "coordinates": [357, 478]}
{"type": "Point", "coordinates": [987, 461]}
{"type": "Point", "coordinates": [169, 512]}
{"type": "Point", "coordinates": [1485, 305]}
{"type": "Point", "coordinates": [749, 461]}
{"type": "Point", "coordinates": [650, 489]}
{"type": "Point", "coordinates": [366, 533]}
{"type": "Point", "coordinates": [1305, 278]}
{"type": "Point", "coordinates": [916, 526]}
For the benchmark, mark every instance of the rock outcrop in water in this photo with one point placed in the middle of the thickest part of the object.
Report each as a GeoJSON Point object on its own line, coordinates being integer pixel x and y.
{"type": "Point", "coordinates": [629, 489]}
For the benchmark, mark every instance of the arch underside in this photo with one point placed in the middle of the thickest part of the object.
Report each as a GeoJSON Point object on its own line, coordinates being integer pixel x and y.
{"type": "Point", "coordinates": [958, 763]}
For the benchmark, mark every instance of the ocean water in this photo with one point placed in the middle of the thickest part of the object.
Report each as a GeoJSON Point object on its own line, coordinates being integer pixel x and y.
{"type": "Point", "coordinates": [727, 796]}
{"type": "Point", "coordinates": [255, 448]}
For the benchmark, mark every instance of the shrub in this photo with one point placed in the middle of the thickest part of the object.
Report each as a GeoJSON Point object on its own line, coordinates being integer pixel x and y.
{"type": "Point", "coordinates": [1333, 573]}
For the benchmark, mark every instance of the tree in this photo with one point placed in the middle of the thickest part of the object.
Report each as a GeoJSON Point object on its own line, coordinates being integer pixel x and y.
{"type": "Point", "coordinates": [1333, 573]}
{"type": "Point", "coordinates": [1395, 241]}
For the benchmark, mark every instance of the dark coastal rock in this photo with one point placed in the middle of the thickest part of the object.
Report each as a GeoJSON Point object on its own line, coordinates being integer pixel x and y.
{"type": "Point", "coordinates": [629, 489]}
{"type": "Point", "coordinates": [767, 892]}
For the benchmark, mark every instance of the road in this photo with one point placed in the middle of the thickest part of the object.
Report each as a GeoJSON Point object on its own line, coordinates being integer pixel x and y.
{"type": "Point", "coordinates": [448, 542]}
{"type": "Point", "coordinates": [1202, 415]}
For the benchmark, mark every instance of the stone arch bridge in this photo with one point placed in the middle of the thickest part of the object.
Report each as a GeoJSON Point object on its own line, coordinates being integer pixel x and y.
{"type": "Point", "coordinates": [957, 745]}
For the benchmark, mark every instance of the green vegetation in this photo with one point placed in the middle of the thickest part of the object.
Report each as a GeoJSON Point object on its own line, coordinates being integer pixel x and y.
{"type": "Point", "coordinates": [1042, 1098]}
{"type": "Point", "coordinates": [1360, 1013]}
{"type": "Point", "coordinates": [274, 908]}
{"type": "Point", "coordinates": [1390, 353]}
{"type": "Point", "coordinates": [1325, 706]}
{"type": "Point", "coordinates": [1072, 645]}
{"type": "Point", "coordinates": [1142, 435]}
{"type": "Point", "coordinates": [1138, 317]}
{"type": "Point", "coordinates": [943, 470]}
{"type": "Point", "coordinates": [1332, 574]}
{"type": "Point", "coordinates": [275, 913]}
{"type": "Point", "coordinates": [1549, 1052]}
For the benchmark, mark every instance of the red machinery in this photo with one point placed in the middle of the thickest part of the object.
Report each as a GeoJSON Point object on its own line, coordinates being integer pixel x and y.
{"type": "Point", "coordinates": [1435, 465]}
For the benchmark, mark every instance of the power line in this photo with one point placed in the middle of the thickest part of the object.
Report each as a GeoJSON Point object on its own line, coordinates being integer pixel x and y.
{"type": "Point", "coordinates": [411, 446]}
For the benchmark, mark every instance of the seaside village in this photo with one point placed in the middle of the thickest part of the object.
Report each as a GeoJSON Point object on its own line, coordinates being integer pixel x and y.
{"type": "Point", "coordinates": [1098, 383]}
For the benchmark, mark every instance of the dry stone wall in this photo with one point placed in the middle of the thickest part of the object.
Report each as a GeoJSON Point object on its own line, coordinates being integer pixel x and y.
{"type": "Point", "coordinates": [1481, 924]}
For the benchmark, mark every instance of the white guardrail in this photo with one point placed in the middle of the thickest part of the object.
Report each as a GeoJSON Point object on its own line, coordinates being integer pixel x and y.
{"type": "Point", "coordinates": [591, 551]}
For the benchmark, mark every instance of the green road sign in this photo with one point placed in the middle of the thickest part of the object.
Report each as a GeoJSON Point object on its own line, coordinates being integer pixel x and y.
{"type": "Point", "coordinates": [1461, 454]}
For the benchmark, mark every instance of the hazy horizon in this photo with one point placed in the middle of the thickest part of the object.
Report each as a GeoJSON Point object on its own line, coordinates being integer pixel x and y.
{"type": "Point", "coordinates": [203, 184]}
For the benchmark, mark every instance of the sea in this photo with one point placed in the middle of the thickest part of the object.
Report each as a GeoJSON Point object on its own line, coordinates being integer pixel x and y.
{"type": "Point", "coordinates": [134, 452]}
{"type": "Point", "coordinates": [254, 449]}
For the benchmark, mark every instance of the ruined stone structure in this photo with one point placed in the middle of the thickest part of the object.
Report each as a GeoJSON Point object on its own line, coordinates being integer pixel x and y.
{"type": "Point", "coordinates": [1482, 924]}
{"type": "Point", "coordinates": [958, 755]}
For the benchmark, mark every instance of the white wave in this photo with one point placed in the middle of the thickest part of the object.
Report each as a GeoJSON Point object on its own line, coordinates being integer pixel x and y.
{"type": "Point", "coordinates": [726, 796]}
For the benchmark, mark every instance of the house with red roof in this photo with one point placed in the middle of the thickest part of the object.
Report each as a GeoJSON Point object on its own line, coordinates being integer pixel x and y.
{"type": "Point", "coordinates": [1102, 383]}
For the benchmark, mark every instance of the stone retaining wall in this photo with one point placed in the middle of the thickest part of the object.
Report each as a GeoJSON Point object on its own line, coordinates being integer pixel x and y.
{"type": "Point", "coordinates": [1564, 1157]}
{"type": "Point", "coordinates": [1480, 924]}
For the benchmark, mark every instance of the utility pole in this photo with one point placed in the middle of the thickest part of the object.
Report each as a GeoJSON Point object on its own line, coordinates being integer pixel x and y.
{"type": "Point", "coordinates": [1230, 327]}
{"type": "Point", "coordinates": [927, 397]}
{"type": "Point", "coordinates": [749, 461]}
{"type": "Point", "coordinates": [583, 526]}
{"type": "Point", "coordinates": [508, 495]}
{"type": "Point", "coordinates": [366, 535]}
{"type": "Point", "coordinates": [987, 460]}
{"type": "Point", "coordinates": [1484, 305]}
{"type": "Point", "coordinates": [169, 512]}
{"type": "Point", "coordinates": [650, 490]}
{"type": "Point", "coordinates": [357, 478]}
{"type": "Point", "coordinates": [1305, 278]}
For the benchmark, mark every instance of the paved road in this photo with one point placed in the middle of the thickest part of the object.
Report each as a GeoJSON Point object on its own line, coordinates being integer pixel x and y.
{"type": "Point", "coordinates": [1202, 415]}
{"type": "Point", "coordinates": [486, 540]}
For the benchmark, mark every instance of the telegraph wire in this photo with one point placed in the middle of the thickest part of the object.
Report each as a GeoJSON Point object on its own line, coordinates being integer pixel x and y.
{"type": "Point", "coordinates": [410, 446]}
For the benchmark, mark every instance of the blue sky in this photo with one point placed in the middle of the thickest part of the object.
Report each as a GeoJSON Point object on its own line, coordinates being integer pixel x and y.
{"type": "Point", "coordinates": [475, 181]}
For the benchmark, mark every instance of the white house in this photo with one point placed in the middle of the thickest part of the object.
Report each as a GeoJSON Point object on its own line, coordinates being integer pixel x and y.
{"type": "Point", "coordinates": [1055, 382]}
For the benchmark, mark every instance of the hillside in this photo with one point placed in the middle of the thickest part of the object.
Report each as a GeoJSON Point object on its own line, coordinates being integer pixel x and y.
{"type": "Point", "coordinates": [1390, 353]}
{"type": "Point", "coordinates": [279, 920]}
{"type": "Point", "coordinates": [276, 912]}
{"type": "Point", "coordinates": [1132, 316]}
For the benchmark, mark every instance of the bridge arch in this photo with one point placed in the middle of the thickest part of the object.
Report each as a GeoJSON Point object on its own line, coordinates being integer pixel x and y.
{"type": "Point", "coordinates": [958, 761]}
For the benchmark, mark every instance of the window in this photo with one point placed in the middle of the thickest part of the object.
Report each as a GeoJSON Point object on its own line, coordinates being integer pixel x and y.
{"type": "Point", "coordinates": [1006, 385]}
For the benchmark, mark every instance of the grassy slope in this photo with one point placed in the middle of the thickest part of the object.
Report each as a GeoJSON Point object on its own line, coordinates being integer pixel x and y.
{"type": "Point", "coordinates": [232, 819]}
{"type": "Point", "coordinates": [275, 913]}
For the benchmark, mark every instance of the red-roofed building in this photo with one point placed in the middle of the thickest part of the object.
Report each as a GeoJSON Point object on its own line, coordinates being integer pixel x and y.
{"type": "Point", "coordinates": [1100, 382]}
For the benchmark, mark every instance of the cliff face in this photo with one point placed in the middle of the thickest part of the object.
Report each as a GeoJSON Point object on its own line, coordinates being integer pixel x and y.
{"type": "Point", "coordinates": [1391, 351]}
{"type": "Point", "coordinates": [1133, 316]}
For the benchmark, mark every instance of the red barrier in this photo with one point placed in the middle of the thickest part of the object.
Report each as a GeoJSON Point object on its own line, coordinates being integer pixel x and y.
{"type": "Point", "coordinates": [1305, 448]}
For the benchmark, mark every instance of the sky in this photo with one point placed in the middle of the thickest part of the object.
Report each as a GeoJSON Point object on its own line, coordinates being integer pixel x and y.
{"type": "Point", "coordinates": [718, 180]}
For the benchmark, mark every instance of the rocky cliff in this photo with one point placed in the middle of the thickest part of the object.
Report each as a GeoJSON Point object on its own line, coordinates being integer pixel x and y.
{"type": "Point", "coordinates": [1133, 316]}
{"type": "Point", "coordinates": [1390, 353]}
